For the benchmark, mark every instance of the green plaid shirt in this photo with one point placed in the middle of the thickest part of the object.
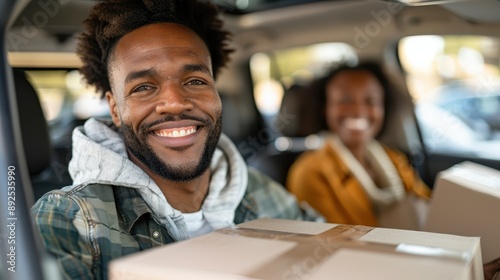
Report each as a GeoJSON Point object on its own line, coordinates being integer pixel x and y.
{"type": "Point", "coordinates": [87, 226]}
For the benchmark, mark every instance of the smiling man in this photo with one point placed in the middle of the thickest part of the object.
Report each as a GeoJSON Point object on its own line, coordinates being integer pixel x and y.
{"type": "Point", "coordinates": [160, 171]}
{"type": "Point", "coordinates": [164, 102]}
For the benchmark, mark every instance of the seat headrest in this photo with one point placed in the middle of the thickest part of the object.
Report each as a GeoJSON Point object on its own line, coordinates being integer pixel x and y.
{"type": "Point", "coordinates": [34, 130]}
{"type": "Point", "coordinates": [302, 111]}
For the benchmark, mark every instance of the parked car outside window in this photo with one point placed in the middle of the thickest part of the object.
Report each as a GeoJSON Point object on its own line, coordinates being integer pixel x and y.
{"type": "Point", "coordinates": [455, 83]}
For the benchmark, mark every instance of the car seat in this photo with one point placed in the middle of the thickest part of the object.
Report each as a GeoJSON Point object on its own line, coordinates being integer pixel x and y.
{"type": "Point", "coordinates": [300, 122]}
{"type": "Point", "coordinates": [45, 173]}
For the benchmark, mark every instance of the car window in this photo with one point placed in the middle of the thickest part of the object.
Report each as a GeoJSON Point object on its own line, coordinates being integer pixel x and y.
{"type": "Point", "coordinates": [455, 84]}
{"type": "Point", "coordinates": [65, 97]}
{"type": "Point", "coordinates": [275, 72]}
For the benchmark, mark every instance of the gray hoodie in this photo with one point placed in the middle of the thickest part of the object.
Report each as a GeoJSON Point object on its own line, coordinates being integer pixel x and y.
{"type": "Point", "coordinates": [100, 156]}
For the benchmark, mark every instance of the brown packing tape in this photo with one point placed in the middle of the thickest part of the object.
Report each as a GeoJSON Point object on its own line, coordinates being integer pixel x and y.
{"type": "Point", "coordinates": [311, 250]}
{"type": "Point", "coordinates": [347, 232]}
{"type": "Point", "coordinates": [343, 232]}
{"type": "Point", "coordinates": [265, 234]}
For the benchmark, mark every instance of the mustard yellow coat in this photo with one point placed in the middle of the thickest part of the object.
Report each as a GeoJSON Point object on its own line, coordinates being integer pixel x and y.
{"type": "Point", "coordinates": [325, 182]}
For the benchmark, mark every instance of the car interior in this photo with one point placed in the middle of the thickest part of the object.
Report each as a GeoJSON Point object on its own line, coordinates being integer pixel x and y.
{"type": "Point", "coordinates": [442, 58]}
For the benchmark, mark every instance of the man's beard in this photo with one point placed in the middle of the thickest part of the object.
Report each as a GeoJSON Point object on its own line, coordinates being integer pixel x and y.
{"type": "Point", "coordinates": [137, 144]}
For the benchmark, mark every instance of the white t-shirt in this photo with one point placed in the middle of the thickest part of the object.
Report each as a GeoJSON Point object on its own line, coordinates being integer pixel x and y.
{"type": "Point", "coordinates": [196, 224]}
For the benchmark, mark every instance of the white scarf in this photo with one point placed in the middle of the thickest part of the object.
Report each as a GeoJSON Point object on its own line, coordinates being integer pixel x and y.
{"type": "Point", "coordinates": [392, 190]}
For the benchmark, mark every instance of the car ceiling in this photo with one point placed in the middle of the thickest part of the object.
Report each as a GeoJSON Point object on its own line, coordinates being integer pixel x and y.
{"type": "Point", "coordinates": [36, 30]}
{"type": "Point", "coordinates": [480, 10]}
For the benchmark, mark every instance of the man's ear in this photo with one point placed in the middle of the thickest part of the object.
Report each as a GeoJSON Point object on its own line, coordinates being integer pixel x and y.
{"type": "Point", "coordinates": [113, 109]}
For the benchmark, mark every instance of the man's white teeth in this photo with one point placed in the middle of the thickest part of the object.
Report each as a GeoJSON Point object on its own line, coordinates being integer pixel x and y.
{"type": "Point", "coordinates": [356, 123]}
{"type": "Point", "coordinates": [176, 132]}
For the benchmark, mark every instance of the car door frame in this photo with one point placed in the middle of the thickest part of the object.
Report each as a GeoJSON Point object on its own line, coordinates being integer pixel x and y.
{"type": "Point", "coordinates": [20, 247]}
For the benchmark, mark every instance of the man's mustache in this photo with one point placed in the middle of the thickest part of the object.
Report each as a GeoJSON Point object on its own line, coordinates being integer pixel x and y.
{"type": "Point", "coordinates": [171, 118]}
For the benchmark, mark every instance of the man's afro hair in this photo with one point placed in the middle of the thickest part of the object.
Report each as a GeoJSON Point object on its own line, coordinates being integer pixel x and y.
{"type": "Point", "coordinates": [109, 21]}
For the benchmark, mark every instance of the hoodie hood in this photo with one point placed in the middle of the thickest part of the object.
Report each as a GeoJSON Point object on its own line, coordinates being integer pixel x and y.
{"type": "Point", "coordinates": [100, 157]}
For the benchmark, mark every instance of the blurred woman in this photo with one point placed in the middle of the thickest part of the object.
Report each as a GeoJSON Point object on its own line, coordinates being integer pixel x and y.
{"type": "Point", "coordinates": [354, 178]}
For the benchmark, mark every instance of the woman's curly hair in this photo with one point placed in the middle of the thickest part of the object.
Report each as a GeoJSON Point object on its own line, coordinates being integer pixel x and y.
{"type": "Point", "coordinates": [110, 20]}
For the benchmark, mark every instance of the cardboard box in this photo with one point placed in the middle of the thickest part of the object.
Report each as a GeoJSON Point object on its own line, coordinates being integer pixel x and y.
{"type": "Point", "coordinates": [466, 201]}
{"type": "Point", "coordinates": [292, 250]}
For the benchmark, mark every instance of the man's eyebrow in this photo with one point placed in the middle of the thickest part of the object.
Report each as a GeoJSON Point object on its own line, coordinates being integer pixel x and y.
{"type": "Point", "coordinates": [199, 67]}
{"type": "Point", "coordinates": [139, 74]}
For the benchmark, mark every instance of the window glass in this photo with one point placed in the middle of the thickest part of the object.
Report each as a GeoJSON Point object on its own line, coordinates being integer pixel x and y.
{"type": "Point", "coordinates": [455, 84]}
{"type": "Point", "coordinates": [66, 100]}
{"type": "Point", "coordinates": [51, 89]}
{"type": "Point", "coordinates": [275, 72]}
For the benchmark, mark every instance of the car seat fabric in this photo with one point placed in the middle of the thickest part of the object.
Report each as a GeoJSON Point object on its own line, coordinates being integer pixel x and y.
{"type": "Point", "coordinates": [301, 115]}
{"type": "Point", "coordinates": [302, 110]}
{"type": "Point", "coordinates": [34, 130]}
{"type": "Point", "coordinates": [46, 173]}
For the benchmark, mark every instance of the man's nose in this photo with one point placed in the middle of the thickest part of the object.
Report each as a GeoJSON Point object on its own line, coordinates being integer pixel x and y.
{"type": "Point", "coordinates": [173, 100]}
